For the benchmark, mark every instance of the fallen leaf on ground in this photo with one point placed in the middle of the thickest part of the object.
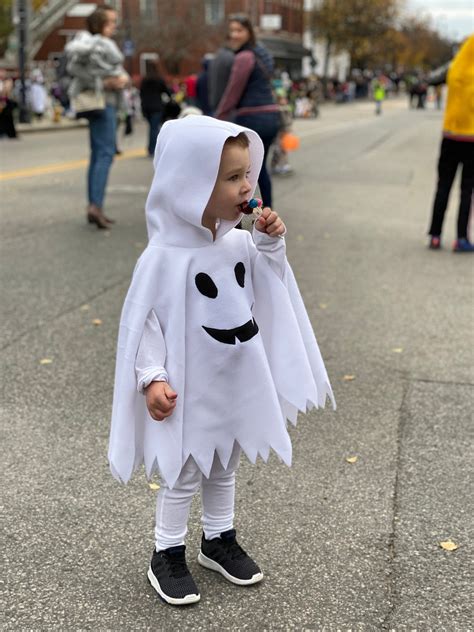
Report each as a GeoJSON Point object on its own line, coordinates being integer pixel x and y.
{"type": "Point", "coordinates": [300, 238]}
{"type": "Point", "coordinates": [323, 305]}
{"type": "Point", "coordinates": [349, 378]}
{"type": "Point", "coordinates": [97, 322]}
{"type": "Point", "coordinates": [153, 486]}
{"type": "Point", "coordinates": [85, 308]}
{"type": "Point", "coordinates": [448, 545]}
{"type": "Point", "coordinates": [351, 459]}
{"type": "Point", "coordinates": [46, 361]}
{"type": "Point", "coordinates": [397, 349]}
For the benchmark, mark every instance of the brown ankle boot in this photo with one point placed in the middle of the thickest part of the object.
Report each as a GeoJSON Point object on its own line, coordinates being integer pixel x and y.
{"type": "Point", "coordinates": [95, 216]}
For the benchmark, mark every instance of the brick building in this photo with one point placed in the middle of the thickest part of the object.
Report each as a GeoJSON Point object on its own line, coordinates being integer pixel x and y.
{"type": "Point", "coordinates": [179, 33]}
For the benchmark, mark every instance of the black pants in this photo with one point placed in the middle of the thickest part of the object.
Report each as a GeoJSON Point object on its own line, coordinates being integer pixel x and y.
{"type": "Point", "coordinates": [266, 125]}
{"type": "Point", "coordinates": [454, 152]}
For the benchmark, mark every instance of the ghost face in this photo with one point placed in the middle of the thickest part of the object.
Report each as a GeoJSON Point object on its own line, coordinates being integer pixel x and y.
{"type": "Point", "coordinates": [232, 187]}
{"type": "Point", "coordinates": [244, 332]}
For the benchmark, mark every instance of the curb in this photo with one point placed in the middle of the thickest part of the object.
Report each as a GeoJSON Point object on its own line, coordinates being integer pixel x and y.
{"type": "Point", "coordinates": [28, 128]}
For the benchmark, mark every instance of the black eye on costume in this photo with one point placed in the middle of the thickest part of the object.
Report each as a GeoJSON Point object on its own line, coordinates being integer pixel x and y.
{"type": "Point", "coordinates": [205, 285]}
{"type": "Point", "coordinates": [239, 271]}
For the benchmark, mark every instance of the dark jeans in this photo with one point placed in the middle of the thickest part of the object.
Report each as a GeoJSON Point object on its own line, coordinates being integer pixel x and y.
{"type": "Point", "coordinates": [453, 152]}
{"type": "Point", "coordinates": [102, 140]}
{"type": "Point", "coordinates": [154, 123]}
{"type": "Point", "coordinates": [267, 126]}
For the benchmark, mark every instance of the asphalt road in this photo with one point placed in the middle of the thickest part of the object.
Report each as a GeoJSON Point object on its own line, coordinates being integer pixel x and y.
{"type": "Point", "coordinates": [344, 546]}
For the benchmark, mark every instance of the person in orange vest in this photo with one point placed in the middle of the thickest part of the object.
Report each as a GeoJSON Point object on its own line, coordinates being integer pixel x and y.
{"type": "Point", "coordinates": [457, 147]}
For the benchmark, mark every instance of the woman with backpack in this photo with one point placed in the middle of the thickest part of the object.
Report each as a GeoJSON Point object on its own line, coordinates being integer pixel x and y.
{"type": "Point", "coordinates": [248, 98]}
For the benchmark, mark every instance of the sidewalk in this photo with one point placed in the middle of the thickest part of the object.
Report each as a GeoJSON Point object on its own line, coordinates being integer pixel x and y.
{"type": "Point", "coordinates": [47, 125]}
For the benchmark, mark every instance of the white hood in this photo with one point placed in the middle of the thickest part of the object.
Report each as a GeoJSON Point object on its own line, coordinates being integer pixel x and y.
{"type": "Point", "coordinates": [185, 173]}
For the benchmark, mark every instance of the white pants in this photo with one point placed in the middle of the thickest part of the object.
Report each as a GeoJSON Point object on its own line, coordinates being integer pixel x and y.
{"type": "Point", "coordinates": [217, 496]}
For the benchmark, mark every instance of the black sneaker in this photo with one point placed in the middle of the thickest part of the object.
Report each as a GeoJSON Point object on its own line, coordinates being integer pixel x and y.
{"type": "Point", "coordinates": [170, 577]}
{"type": "Point", "coordinates": [227, 557]}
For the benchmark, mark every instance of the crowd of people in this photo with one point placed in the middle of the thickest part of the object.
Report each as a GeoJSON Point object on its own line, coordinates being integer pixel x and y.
{"type": "Point", "coordinates": [48, 94]}
{"type": "Point", "coordinates": [238, 83]}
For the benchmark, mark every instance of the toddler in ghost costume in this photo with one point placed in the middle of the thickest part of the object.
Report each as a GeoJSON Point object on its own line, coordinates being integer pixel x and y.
{"type": "Point", "coordinates": [215, 350]}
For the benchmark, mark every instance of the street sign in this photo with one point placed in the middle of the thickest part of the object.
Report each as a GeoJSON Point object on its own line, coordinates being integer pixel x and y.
{"type": "Point", "coordinates": [270, 22]}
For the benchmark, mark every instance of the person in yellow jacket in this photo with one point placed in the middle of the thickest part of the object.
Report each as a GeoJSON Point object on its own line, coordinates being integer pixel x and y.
{"type": "Point", "coordinates": [457, 147]}
{"type": "Point", "coordinates": [378, 92]}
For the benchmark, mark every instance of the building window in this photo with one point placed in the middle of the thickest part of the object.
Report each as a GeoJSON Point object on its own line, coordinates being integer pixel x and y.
{"type": "Point", "coordinates": [148, 9]}
{"type": "Point", "coordinates": [214, 11]}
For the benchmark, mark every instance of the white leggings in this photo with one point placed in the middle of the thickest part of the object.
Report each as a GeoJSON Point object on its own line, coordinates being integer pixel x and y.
{"type": "Point", "coordinates": [217, 496]}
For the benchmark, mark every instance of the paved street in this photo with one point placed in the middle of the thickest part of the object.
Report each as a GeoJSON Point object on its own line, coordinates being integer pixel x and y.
{"type": "Point", "coordinates": [344, 546]}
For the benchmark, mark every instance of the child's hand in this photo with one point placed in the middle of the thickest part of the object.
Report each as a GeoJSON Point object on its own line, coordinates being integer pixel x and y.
{"type": "Point", "coordinates": [160, 400]}
{"type": "Point", "coordinates": [269, 222]}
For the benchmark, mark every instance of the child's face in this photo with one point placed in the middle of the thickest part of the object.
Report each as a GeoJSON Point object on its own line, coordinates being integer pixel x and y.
{"type": "Point", "coordinates": [232, 186]}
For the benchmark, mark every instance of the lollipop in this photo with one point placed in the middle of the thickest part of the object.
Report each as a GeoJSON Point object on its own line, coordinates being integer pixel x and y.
{"type": "Point", "coordinates": [252, 206]}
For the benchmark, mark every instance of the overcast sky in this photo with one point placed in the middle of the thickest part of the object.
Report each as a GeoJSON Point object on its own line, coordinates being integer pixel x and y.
{"type": "Point", "coordinates": [451, 17]}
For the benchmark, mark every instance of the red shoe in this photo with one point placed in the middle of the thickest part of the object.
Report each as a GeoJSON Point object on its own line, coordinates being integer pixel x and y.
{"type": "Point", "coordinates": [435, 243]}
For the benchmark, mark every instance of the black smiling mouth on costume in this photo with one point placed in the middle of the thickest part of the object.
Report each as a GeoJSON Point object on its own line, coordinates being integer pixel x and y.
{"type": "Point", "coordinates": [208, 288]}
{"type": "Point", "coordinates": [227, 336]}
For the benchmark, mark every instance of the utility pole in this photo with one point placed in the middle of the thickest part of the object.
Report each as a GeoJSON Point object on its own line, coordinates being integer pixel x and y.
{"type": "Point", "coordinates": [128, 48]}
{"type": "Point", "coordinates": [22, 56]}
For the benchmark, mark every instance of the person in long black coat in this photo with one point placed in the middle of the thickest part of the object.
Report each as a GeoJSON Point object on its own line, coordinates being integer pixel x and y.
{"type": "Point", "coordinates": [7, 106]}
{"type": "Point", "coordinates": [153, 94]}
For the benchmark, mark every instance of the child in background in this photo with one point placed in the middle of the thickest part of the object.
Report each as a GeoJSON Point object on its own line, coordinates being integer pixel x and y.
{"type": "Point", "coordinates": [91, 58]}
{"type": "Point", "coordinates": [279, 163]}
{"type": "Point", "coordinates": [378, 92]}
{"type": "Point", "coordinates": [215, 350]}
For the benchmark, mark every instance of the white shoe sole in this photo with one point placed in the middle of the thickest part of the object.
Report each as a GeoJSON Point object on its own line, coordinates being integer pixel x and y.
{"type": "Point", "coordinates": [184, 601]}
{"type": "Point", "coordinates": [214, 566]}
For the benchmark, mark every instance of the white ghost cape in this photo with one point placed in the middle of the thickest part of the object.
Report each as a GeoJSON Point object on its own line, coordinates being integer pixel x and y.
{"type": "Point", "coordinates": [243, 358]}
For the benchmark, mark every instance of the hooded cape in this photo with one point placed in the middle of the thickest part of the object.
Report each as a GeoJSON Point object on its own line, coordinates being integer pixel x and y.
{"type": "Point", "coordinates": [242, 355]}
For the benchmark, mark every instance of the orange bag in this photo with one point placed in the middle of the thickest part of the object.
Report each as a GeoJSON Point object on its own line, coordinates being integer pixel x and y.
{"type": "Point", "coordinates": [289, 142]}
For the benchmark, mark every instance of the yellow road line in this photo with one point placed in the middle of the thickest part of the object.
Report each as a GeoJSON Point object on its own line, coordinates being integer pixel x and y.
{"type": "Point", "coordinates": [58, 167]}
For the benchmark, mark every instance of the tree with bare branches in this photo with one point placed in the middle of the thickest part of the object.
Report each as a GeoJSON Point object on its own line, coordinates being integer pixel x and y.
{"type": "Point", "coordinates": [375, 34]}
{"type": "Point", "coordinates": [354, 25]}
{"type": "Point", "coordinates": [176, 34]}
